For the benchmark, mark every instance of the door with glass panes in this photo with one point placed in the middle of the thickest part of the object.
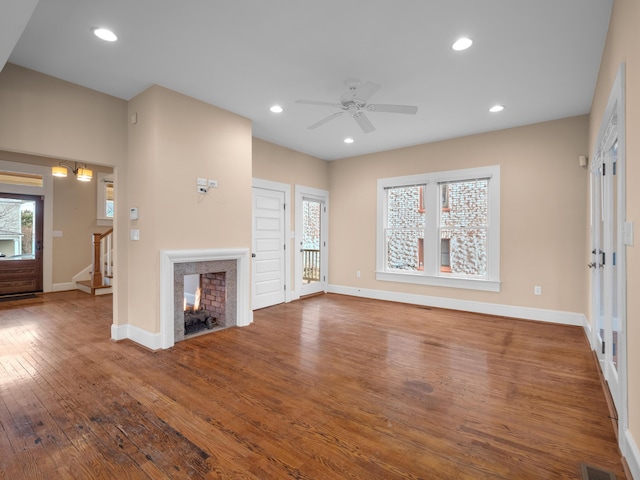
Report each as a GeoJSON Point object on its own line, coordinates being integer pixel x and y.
{"type": "Point", "coordinates": [21, 220]}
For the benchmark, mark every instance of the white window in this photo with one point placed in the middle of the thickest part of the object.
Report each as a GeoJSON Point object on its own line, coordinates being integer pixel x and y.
{"type": "Point", "coordinates": [441, 229]}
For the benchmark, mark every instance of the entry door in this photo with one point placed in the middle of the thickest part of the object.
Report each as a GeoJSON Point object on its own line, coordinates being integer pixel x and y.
{"type": "Point", "coordinates": [21, 222]}
{"type": "Point", "coordinates": [311, 240]}
{"type": "Point", "coordinates": [269, 248]}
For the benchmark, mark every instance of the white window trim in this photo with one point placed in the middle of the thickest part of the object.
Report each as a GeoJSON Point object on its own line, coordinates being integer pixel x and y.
{"type": "Point", "coordinates": [431, 275]}
{"type": "Point", "coordinates": [102, 219]}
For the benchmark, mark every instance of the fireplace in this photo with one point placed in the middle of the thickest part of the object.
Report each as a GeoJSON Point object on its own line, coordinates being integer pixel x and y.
{"type": "Point", "coordinates": [222, 275]}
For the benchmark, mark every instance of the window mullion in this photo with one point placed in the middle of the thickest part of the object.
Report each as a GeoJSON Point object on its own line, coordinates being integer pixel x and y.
{"type": "Point", "coordinates": [431, 232]}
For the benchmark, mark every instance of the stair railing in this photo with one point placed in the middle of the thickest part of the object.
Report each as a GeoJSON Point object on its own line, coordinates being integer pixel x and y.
{"type": "Point", "coordinates": [102, 262]}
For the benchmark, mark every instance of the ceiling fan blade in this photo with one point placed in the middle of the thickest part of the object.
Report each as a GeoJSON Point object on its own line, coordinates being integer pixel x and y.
{"type": "Point", "coordinates": [324, 120]}
{"type": "Point", "coordinates": [364, 123]}
{"type": "Point", "coordinates": [363, 92]}
{"type": "Point", "coordinates": [382, 107]}
{"type": "Point", "coordinates": [314, 102]}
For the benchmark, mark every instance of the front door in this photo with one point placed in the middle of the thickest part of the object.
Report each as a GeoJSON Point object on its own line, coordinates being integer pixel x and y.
{"type": "Point", "coordinates": [269, 248]}
{"type": "Point", "coordinates": [21, 222]}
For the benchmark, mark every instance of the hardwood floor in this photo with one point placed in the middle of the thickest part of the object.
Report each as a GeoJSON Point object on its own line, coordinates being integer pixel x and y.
{"type": "Point", "coordinates": [330, 387]}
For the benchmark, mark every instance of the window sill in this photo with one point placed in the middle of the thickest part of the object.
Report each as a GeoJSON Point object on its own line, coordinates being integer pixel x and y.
{"type": "Point", "coordinates": [449, 282]}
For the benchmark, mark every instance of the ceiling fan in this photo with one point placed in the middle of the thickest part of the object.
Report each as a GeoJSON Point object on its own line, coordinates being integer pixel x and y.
{"type": "Point", "coordinates": [355, 103]}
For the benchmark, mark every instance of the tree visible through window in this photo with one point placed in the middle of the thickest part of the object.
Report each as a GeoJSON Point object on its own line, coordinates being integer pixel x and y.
{"type": "Point", "coordinates": [109, 200]}
{"type": "Point", "coordinates": [464, 225]}
{"type": "Point", "coordinates": [405, 227]}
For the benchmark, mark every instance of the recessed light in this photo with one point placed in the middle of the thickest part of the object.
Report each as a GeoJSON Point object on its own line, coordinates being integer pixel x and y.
{"type": "Point", "coordinates": [462, 44]}
{"type": "Point", "coordinates": [348, 140]}
{"type": "Point", "coordinates": [276, 109]}
{"type": "Point", "coordinates": [105, 34]}
{"type": "Point", "coordinates": [496, 108]}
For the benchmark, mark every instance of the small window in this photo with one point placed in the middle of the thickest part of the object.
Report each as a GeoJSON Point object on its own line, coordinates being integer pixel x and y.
{"type": "Point", "coordinates": [106, 199]}
{"type": "Point", "coordinates": [109, 200]}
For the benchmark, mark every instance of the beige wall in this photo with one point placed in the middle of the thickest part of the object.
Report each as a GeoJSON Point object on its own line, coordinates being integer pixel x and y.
{"type": "Point", "coordinates": [175, 140]}
{"type": "Point", "coordinates": [51, 120]}
{"type": "Point", "coordinates": [543, 221]}
{"type": "Point", "coordinates": [42, 115]}
{"type": "Point", "coordinates": [622, 44]}
{"type": "Point", "coordinates": [279, 164]}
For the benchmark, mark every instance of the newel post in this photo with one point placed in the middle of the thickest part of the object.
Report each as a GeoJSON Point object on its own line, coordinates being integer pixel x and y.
{"type": "Point", "coordinates": [96, 274]}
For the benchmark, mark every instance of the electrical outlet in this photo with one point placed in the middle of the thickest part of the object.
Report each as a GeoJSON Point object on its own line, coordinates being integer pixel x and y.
{"type": "Point", "coordinates": [537, 290]}
{"type": "Point", "coordinates": [202, 189]}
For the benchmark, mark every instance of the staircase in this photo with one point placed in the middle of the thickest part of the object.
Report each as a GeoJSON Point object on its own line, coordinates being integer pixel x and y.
{"type": "Point", "coordinates": [102, 266]}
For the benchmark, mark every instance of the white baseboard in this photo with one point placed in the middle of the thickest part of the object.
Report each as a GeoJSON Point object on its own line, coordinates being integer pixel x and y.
{"type": "Point", "coordinates": [525, 313]}
{"type": "Point", "coordinates": [631, 453]}
{"type": "Point", "coordinates": [150, 340]}
{"type": "Point", "coordinates": [291, 296]}
{"type": "Point", "coordinates": [63, 287]}
{"type": "Point", "coordinates": [119, 332]}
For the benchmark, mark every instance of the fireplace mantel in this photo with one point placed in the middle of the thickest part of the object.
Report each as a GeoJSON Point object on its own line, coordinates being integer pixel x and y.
{"type": "Point", "coordinates": [168, 258]}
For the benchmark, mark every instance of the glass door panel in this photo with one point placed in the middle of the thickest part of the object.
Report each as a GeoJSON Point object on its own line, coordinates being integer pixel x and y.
{"type": "Point", "coordinates": [311, 241]}
{"type": "Point", "coordinates": [615, 321]}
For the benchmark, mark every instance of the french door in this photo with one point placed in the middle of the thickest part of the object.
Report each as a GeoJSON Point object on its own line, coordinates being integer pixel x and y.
{"type": "Point", "coordinates": [608, 243]}
{"type": "Point", "coordinates": [21, 223]}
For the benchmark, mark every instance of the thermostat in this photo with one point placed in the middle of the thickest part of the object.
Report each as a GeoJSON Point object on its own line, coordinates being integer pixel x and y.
{"type": "Point", "coordinates": [133, 213]}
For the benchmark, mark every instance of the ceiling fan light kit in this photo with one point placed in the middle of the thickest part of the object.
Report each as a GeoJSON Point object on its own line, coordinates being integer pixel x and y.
{"type": "Point", "coordinates": [355, 103]}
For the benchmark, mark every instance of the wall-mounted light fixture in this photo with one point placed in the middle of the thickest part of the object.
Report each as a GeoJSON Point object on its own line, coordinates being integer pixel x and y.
{"type": "Point", "coordinates": [80, 170]}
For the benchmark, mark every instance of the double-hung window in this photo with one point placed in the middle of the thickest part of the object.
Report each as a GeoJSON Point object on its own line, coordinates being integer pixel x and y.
{"type": "Point", "coordinates": [441, 229]}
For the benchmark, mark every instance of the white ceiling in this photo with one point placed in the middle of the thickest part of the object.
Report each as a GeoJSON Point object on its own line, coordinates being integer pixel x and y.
{"type": "Point", "coordinates": [539, 58]}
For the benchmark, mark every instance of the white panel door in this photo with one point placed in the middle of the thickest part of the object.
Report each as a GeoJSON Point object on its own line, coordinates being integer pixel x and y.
{"type": "Point", "coordinates": [268, 255]}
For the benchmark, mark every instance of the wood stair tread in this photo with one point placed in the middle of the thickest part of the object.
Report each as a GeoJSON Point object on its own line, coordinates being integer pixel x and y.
{"type": "Point", "coordinates": [90, 285]}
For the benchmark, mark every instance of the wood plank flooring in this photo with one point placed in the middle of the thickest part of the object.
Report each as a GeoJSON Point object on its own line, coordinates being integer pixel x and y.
{"type": "Point", "coordinates": [330, 387]}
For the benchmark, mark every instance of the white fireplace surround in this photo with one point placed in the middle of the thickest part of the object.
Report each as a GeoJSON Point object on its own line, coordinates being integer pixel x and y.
{"type": "Point", "coordinates": [168, 258]}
